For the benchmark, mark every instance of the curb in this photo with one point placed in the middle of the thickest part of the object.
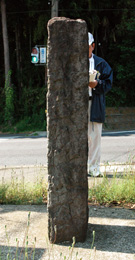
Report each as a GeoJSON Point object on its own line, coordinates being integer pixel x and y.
{"type": "Point", "coordinates": [117, 167]}
{"type": "Point", "coordinates": [22, 167]}
{"type": "Point", "coordinates": [109, 167]}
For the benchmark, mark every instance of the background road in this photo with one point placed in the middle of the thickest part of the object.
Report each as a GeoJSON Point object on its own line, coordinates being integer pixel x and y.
{"type": "Point", "coordinates": [21, 151]}
{"type": "Point", "coordinates": [118, 147]}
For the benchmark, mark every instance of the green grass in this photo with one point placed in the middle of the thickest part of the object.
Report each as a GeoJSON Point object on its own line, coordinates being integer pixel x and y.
{"type": "Point", "coordinates": [18, 192]}
{"type": "Point", "coordinates": [119, 190]}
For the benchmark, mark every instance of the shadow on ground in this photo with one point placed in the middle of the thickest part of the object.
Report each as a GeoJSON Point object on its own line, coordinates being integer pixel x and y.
{"type": "Point", "coordinates": [114, 232]}
{"type": "Point", "coordinates": [113, 238]}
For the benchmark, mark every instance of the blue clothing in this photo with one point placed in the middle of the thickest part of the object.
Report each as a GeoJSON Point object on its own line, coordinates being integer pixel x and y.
{"type": "Point", "coordinates": [98, 94]}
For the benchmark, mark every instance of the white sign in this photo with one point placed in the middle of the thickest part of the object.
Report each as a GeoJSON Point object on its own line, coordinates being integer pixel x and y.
{"type": "Point", "coordinates": [42, 54]}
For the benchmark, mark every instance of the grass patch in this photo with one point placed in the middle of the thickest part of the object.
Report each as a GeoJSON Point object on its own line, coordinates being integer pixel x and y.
{"type": "Point", "coordinates": [118, 190]}
{"type": "Point", "coordinates": [23, 193]}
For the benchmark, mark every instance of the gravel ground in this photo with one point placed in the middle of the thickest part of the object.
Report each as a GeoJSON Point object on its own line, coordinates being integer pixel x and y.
{"type": "Point", "coordinates": [114, 234]}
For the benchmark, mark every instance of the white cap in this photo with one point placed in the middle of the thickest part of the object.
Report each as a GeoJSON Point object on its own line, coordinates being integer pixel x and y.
{"type": "Point", "coordinates": [90, 38]}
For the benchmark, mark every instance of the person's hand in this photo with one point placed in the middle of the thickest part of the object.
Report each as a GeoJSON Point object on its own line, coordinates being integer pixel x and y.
{"type": "Point", "coordinates": [93, 84]}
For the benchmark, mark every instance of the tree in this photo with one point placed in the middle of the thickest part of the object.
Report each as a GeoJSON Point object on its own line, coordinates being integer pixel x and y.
{"type": "Point", "coordinates": [9, 107]}
{"type": "Point", "coordinates": [112, 24]}
{"type": "Point", "coordinates": [54, 9]}
{"type": "Point", "coordinates": [5, 38]}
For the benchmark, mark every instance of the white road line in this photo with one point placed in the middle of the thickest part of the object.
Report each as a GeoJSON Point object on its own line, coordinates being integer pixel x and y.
{"type": "Point", "coordinates": [3, 139]}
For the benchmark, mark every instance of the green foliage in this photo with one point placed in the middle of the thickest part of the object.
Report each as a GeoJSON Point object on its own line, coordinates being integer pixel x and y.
{"type": "Point", "coordinates": [40, 30]}
{"type": "Point", "coordinates": [36, 122]}
{"type": "Point", "coordinates": [112, 24]}
{"type": "Point", "coordinates": [116, 98]}
{"type": "Point", "coordinates": [120, 189]}
{"type": "Point", "coordinates": [123, 53]}
{"type": "Point", "coordinates": [2, 105]}
{"type": "Point", "coordinates": [21, 192]}
{"type": "Point", "coordinates": [113, 27]}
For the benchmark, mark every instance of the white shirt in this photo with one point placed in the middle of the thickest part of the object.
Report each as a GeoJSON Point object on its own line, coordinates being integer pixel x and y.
{"type": "Point", "coordinates": [91, 68]}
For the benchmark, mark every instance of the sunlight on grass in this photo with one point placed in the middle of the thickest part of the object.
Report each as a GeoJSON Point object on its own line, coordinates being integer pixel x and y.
{"type": "Point", "coordinates": [22, 192]}
{"type": "Point", "coordinates": [120, 189]}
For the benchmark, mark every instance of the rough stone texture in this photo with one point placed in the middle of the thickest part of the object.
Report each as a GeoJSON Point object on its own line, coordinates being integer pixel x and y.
{"type": "Point", "coordinates": [67, 105]}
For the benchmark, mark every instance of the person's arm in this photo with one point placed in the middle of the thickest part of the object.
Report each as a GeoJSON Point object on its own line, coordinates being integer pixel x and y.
{"type": "Point", "coordinates": [104, 83]}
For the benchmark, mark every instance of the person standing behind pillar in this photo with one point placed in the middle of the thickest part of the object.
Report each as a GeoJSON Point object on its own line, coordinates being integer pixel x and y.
{"type": "Point", "coordinates": [96, 110]}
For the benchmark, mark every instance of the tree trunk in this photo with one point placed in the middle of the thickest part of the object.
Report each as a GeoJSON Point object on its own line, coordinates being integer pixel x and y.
{"type": "Point", "coordinates": [54, 10]}
{"type": "Point", "coordinates": [5, 38]}
{"type": "Point", "coordinates": [17, 47]}
{"type": "Point", "coordinates": [9, 106]}
{"type": "Point", "coordinates": [18, 58]}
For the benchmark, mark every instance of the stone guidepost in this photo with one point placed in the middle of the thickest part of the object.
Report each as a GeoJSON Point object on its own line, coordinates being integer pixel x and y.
{"type": "Point", "coordinates": [67, 105]}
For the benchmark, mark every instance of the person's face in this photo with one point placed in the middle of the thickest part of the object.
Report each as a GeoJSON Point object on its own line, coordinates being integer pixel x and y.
{"type": "Point", "coordinates": [91, 49]}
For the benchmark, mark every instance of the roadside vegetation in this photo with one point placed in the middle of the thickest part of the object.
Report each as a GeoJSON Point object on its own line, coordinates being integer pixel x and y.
{"type": "Point", "coordinates": [24, 86]}
{"type": "Point", "coordinates": [21, 192]}
{"type": "Point", "coordinates": [36, 122]}
{"type": "Point", "coordinates": [117, 190]}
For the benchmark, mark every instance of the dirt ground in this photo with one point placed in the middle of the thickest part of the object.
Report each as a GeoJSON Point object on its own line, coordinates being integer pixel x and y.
{"type": "Point", "coordinates": [114, 234]}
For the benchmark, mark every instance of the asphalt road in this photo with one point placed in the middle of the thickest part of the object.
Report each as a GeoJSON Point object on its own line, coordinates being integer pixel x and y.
{"type": "Point", "coordinates": [118, 147]}
{"type": "Point", "coordinates": [21, 151]}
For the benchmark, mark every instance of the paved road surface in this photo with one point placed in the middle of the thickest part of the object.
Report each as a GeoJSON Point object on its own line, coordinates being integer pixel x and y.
{"type": "Point", "coordinates": [20, 150]}
{"type": "Point", "coordinates": [118, 146]}
{"type": "Point", "coordinates": [15, 151]}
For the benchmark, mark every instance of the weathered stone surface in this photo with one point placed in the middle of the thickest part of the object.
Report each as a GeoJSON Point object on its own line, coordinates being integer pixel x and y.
{"type": "Point", "coordinates": [67, 105]}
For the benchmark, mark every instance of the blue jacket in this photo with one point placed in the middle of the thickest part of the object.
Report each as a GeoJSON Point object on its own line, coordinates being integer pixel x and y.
{"type": "Point", "coordinates": [98, 94]}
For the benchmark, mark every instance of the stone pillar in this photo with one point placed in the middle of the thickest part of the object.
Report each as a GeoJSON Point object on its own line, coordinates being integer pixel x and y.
{"type": "Point", "coordinates": [67, 105]}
